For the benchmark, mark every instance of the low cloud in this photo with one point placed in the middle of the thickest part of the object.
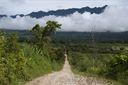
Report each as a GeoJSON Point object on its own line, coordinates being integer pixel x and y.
{"type": "Point", "coordinates": [112, 19]}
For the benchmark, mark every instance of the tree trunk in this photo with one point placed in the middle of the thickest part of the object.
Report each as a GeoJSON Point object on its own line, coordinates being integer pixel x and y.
{"type": "Point", "coordinates": [95, 49]}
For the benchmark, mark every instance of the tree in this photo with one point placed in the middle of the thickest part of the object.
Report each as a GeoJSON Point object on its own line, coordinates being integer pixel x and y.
{"type": "Point", "coordinates": [12, 45]}
{"type": "Point", "coordinates": [94, 44]}
{"type": "Point", "coordinates": [43, 34]}
{"type": "Point", "coordinates": [2, 32]}
{"type": "Point", "coordinates": [2, 43]}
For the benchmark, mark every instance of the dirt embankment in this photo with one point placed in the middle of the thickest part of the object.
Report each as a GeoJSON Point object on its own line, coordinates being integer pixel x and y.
{"type": "Point", "coordinates": [65, 77]}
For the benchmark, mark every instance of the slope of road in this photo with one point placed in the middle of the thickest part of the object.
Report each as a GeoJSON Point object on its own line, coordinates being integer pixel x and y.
{"type": "Point", "coordinates": [65, 77]}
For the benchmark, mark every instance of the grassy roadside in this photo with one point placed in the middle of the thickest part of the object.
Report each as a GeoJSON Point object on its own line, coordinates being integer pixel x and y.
{"type": "Point", "coordinates": [29, 64]}
{"type": "Point", "coordinates": [39, 63]}
{"type": "Point", "coordinates": [97, 77]}
{"type": "Point", "coordinates": [83, 64]}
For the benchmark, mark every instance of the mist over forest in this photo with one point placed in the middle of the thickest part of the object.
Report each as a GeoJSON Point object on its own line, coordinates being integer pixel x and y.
{"type": "Point", "coordinates": [106, 18]}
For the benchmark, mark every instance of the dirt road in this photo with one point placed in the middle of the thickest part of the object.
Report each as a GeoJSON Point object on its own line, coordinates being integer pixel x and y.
{"type": "Point", "coordinates": [64, 77]}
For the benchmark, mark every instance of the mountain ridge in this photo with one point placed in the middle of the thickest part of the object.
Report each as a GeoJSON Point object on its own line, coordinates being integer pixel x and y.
{"type": "Point", "coordinates": [61, 12]}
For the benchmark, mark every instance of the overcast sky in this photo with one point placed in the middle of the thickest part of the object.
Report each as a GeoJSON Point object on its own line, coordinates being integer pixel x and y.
{"type": "Point", "coordinates": [114, 18]}
{"type": "Point", "coordinates": [12, 7]}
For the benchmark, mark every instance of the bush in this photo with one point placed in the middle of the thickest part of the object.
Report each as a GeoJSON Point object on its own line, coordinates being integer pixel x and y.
{"type": "Point", "coordinates": [12, 45]}
{"type": "Point", "coordinates": [79, 61]}
{"type": "Point", "coordinates": [86, 63]}
{"type": "Point", "coordinates": [12, 61]}
{"type": "Point", "coordinates": [117, 68]}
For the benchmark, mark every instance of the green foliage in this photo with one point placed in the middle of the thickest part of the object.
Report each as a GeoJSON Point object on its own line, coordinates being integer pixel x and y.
{"type": "Point", "coordinates": [2, 33]}
{"type": "Point", "coordinates": [12, 62]}
{"type": "Point", "coordinates": [36, 58]}
{"type": "Point", "coordinates": [12, 68]}
{"type": "Point", "coordinates": [30, 63]}
{"type": "Point", "coordinates": [41, 61]}
{"type": "Point", "coordinates": [57, 56]}
{"type": "Point", "coordinates": [43, 34]}
{"type": "Point", "coordinates": [94, 70]}
{"type": "Point", "coordinates": [2, 44]}
{"type": "Point", "coordinates": [85, 62]}
{"type": "Point", "coordinates": [23, 62]}
{"type": "Point", "coordinates": [12, 45]}
{"type": "Point", "coordinates": [114, 69]}
{"type": "Point", "coordinates": [79, 61]}
{"type": "Point", "coordinates": [117, 67]}
{"type": "Point", "coordinates": [57, 65]}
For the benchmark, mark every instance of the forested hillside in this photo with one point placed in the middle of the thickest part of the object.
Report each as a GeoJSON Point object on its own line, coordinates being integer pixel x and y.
{"type": "Point", "coordinates": [75, 35]}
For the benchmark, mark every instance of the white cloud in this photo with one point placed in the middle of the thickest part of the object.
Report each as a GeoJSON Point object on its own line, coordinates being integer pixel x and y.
{"type": "Point", "coordinates": [113, 19]}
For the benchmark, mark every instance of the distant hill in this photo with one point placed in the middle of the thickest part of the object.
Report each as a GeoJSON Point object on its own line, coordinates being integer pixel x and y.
{"type": "Point", "coordinates": [75, 35]}
{"type": "Point", "coordinates": [68, 12]}
{"type": "Point", "coordinates": [62, 12]}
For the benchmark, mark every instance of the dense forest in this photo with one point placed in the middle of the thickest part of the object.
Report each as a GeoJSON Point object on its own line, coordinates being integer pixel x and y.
{"type": "Point", "coordinates": [25, 55]}
{"type": "Point", "coordinates": [74, 35]}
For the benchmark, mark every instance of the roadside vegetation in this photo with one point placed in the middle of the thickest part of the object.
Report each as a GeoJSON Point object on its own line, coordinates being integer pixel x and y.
{"type": "Point", "coordinates": [22, 62]}
{"type": "Point", "coordinates": [112, 61]}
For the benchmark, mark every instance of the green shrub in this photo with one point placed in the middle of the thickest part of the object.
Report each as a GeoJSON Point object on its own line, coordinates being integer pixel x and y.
{"type": "Point", "coordinates": [86, 62]}
{"type": "Point", "coordinates": [12, 45]}
{"type": "Point", "coordinates": [12, 61]}
{"type": "Point", "coordinates": [12, 67]}
{"type": "Point", "coordinates": [56, 66]}
{"type": "Point", "coordinates": [117, 68]}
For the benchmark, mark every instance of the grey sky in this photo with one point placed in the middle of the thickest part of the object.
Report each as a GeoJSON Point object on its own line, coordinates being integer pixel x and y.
{"type": "Point", "coordinates": [26, 6]}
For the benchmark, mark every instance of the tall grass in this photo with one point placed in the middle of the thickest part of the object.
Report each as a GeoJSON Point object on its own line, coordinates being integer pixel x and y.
{"type": "Point", "coordinates": [86, 63]}
{"type": "Point", "coordinates": [37, 63]}
{"type": "Point", "coordinates": [56, 66]}
{"type": "Point", "coordinates": [83, 62]}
